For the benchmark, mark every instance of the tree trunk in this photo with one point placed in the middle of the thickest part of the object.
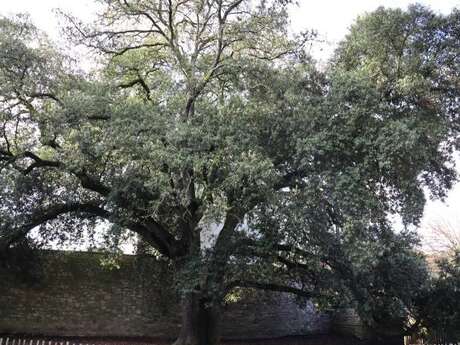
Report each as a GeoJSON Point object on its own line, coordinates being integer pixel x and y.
{"type": "Point", "coordinates": [200, 322]}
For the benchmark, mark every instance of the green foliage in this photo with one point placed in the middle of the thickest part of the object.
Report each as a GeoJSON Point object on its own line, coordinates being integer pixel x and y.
{"type": "Point", "coordinates": [439, 307]}
{"type": "Point", "coordinates": [215, 115]}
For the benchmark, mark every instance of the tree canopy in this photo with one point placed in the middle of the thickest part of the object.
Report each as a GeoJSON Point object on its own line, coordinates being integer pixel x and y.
{"type": "Point", "coordinates": [208, 116]}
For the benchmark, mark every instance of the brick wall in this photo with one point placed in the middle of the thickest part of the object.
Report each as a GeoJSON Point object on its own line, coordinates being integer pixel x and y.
{"type": "Point", "coordinates": [347, 321]}
{"type": "Point", "coordinates": [76, 296]}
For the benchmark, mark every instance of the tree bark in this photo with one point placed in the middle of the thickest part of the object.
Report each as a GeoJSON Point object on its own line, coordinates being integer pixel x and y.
{"type": "Point", "coordinates": [200, 321]}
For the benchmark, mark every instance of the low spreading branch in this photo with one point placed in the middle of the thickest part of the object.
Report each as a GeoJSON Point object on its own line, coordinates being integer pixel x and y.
{"type": "Point", "coordinates": [270, 287]}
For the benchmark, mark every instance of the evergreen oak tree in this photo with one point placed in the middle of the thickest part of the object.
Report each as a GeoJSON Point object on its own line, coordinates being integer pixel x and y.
{"type": "Point", "coordinates": [207, 116]}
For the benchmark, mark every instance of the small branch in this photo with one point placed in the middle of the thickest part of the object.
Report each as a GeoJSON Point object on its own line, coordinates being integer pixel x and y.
{"type": "Point", "coordinates": [126, 49]}
{"type": "Point", "coordinates": [46, 95]}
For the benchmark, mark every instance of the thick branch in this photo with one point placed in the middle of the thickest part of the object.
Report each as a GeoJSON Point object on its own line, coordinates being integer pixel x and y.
{"type": "Point", "coordinates": [150, 232]}
{"type": "Point", "coordinates": [136, 81]}
{"type": "Point", "coordinates": [224, 238]}
{"type": "Point", "coordinates": [155, 235]}
{"type": "Point", "coordinates": [148, 228]}
{"type": "Point", "coordinates": [41, 216]}
{"type": "Point", "coordinates": [38, 162]}
{"type": "Point", "coordinates": [90, 183]}
{"type": "Point", "coordinates": [270, 287]}
{"type": "Point", "coordinates": [276, 247]}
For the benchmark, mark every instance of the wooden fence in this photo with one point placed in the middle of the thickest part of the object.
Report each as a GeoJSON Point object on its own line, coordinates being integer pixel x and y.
{"type": "Point", "coordinates": [18, 340]}
{"type": "Point", "coordinates": [436, 341]}
{"type": "Point", "coordinates": [23, 341]}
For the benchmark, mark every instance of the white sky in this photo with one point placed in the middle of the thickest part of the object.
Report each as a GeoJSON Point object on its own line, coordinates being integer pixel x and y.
{"type": "Point", "coordinates": [330, 18]}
